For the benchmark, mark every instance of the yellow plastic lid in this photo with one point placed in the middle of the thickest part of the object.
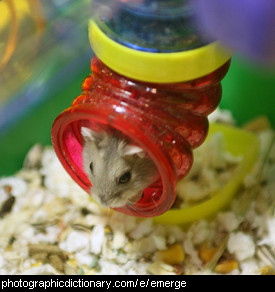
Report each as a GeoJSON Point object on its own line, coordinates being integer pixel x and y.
{"type": "Point", "coordinates": [157, 67]}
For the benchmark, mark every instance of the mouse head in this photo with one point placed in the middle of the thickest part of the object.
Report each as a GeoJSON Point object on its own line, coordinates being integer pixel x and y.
{"type": "Point", "coordinates": [118, 170]}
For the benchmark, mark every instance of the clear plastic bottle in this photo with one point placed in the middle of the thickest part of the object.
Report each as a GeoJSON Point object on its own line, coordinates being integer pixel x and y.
{"type": "Point", "coordinates": [155, 80]}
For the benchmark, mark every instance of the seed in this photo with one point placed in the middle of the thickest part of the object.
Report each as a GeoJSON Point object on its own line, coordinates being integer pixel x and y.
{"type": "Point", "coordinates": [226, 266]}
{"type": "Point", "coordinates": [206, 253]}
{"type": "Point", "coordinates": [173, 255]}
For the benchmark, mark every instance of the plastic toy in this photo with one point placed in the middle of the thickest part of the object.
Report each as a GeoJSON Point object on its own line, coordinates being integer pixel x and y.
{"type": "Point", "coordinates": [155, 79]}
{"type": "Point", "coordinates": [238, 142]}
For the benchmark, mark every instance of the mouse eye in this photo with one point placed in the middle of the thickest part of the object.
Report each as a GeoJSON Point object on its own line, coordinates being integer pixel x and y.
{"type": "Point", "coordinates": [125, 178]}
{"type": "Point", "coordinates": [91, 167]}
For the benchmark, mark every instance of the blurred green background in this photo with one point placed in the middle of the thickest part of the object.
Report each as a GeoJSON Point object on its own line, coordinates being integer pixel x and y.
{"type": "Point", "coordinates": [249, 91]}
{"type": "Point", "coordinates": [44, 57]}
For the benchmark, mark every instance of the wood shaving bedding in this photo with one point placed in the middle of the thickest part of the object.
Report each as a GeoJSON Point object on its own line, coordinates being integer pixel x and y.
{"type": "Point", "coordinates": [48, 225]}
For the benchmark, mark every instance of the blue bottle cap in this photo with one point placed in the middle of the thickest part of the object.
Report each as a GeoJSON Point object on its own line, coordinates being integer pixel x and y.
{"type": "Point", "coordinates": [149, 25]}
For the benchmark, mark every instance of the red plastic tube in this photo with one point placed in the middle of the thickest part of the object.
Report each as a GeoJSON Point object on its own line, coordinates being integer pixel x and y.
{"type": "Point", "coordinates": [166, 120]}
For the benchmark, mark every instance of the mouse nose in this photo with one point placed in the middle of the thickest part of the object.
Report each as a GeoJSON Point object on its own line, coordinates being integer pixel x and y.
{"type": "Point", "coordinates": [100, 199]}
{"type": "Point", "coordinates": [103, 201]}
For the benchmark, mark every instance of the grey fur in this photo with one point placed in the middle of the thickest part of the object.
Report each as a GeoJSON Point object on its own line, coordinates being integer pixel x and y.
{"type": "Point", "coordinates": [112, 156]}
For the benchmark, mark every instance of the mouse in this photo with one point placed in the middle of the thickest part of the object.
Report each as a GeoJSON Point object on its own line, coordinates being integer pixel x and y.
{"type": "Point", "coordinates": [118, 170]}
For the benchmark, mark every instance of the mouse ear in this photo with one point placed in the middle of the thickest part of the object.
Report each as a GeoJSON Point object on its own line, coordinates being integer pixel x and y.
{"type": "Point", "coordinates": [133, 149]}
{"type": "Point", "coordinates": [89, 135]}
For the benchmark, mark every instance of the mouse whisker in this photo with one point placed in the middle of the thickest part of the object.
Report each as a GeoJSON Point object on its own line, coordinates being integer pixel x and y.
{"type": "Point", "coordinates": [154, 203]}
{"type": "Point", "coordinates": [108, 211]}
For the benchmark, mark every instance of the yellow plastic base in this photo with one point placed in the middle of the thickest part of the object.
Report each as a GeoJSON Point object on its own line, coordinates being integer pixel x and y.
{"type": "Point", "coordinates": [238, 142]}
